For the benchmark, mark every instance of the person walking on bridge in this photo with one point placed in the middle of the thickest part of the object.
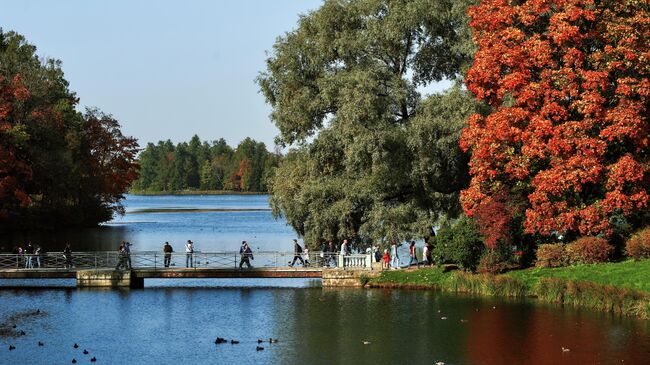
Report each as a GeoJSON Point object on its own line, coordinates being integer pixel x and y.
{"type": "Point", "coordinates": [189, 254]}
{"type": "Point", "coordinates": [246, 255]}
{"type": "Point", "coordinates": [297, 253]}
{"type": "Point", "coordinates": [167, 249]}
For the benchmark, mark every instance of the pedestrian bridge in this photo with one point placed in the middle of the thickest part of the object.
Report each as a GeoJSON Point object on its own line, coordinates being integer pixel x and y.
{"type": "Point", "coordinates": [112, 269]}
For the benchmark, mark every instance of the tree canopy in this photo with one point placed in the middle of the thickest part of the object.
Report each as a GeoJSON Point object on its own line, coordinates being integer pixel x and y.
{"type": "Point", "coordinates": [566, 142]}
{"type": "Point", "coordinates": [58, 166]}
{"type": "Point", "coordinates": [370, 158]}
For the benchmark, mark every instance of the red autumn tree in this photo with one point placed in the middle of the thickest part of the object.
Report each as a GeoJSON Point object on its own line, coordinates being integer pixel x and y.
{"type": "Point", "coordinates": [568, 84]}
{"type": "Point", "coordinates": [112, 157]}
{"type": "Point", "coordinates": [14, 169]}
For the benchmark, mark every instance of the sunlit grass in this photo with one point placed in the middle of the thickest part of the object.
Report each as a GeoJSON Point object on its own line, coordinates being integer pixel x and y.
{"type": "Point", "coordinates": [628, 274]}
{"type": "Point", "coordinates": [622, 287]}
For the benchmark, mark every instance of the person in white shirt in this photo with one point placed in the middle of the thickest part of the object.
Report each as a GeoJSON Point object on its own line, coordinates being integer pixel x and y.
{"type": "Point", "coordinates": [305, 256]}
{"type": "Point", "coordinates": [189, 254]}
{"type": "Point", "coordinates": [425, 254]}
{"type": "Point", "coordinates": [345, 248]}
{"type": "Point", "coordinates": [394, 261]}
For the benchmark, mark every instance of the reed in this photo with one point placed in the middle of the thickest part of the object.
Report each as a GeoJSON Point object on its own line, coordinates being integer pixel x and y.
{"type": "Point", "coordinates": [486, 284]}
{"type": "Point", "coordinates": [577, 293]}
{"type": "Point", "coordinates": [587, 294]}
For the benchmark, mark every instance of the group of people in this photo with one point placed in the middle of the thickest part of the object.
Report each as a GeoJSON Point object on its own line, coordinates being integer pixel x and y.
{"type": "Point", "coordinates": [189, 254]}
{"type": "Point", "coordinates": [391, 260]}
{"type": "Point", "coordinates": [124, 256]}
{"type": "Point", "coordinates": [30, 256]}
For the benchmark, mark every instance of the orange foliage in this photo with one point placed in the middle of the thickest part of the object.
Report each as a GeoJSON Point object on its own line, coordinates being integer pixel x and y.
{"type": "Point", "coordinates": [638, 246]}
{"type": "Point", "coordinates": [568, 84]}
{"type": "Point", "coordinates": [15, 171]}
{"type": "Point", "coordinates": [589, 250]}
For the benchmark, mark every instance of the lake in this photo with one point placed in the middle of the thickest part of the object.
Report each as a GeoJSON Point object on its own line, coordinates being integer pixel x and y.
{"type": "Point", "coordinates": [177, 321]}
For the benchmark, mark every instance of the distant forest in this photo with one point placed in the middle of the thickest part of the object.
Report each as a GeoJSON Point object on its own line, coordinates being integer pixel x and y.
{"type": "Point", "coordinates": [197, 165]}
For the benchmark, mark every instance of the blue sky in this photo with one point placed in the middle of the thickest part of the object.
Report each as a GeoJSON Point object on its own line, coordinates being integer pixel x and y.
{"type": "Point", "coordinates": [164, 69]}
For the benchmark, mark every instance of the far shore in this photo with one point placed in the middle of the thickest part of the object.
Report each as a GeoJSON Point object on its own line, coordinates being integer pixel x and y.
{"type": "Point", "coordinates": [198, 192]}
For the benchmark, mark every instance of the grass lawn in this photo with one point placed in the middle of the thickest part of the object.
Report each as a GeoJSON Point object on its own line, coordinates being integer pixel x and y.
{"type": "Point", "coordinates": [627, 274]}
{"type": "Point", "coordinates": [430, 276]}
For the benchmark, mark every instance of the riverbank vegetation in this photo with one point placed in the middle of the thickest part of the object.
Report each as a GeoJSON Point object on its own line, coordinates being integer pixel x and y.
{"type": "Point", "coordinates": [58, 167]}
{"type": "Point", "coordinates": [620, 288]}
{"type": "Point", "coordinates": [196, 166]}
{"type": "Point", "coordinates": [541, 142]}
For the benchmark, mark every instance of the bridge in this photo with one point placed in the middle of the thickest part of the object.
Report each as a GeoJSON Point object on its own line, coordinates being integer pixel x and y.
{"type": "Point", "coordinates": [112, 269]}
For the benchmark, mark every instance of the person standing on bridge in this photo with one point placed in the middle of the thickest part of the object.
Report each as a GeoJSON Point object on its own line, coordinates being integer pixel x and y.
{"type": "Point", "coordinates": [246, 255]}
{"type": "Point", "coordinates": [67, 256]}
{"type": "Point", "coordinates": [29, 252]}
{"type": "Point", "coordinates": [297, 251]}
{"type": "Point", "coordinates": [345, 248]}
{"type": "Point", "coordinates": [121, 257]}
{"type": "Point", "coordinates": [38, 253]}
{"type": "Point", "coordinates": [167, 250]}
{"type": "Point", "coordinates": [127, 252]}
{"type": "Point", "coordinates": [189, 254]}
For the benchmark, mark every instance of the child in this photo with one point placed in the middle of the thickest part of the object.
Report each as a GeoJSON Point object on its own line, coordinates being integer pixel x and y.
{"type": "Point", "coordinates": [385, 260]}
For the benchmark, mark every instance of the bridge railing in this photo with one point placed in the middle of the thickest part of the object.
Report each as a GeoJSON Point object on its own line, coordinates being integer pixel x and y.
{"type": "Point", "coordinates": [180, 260]}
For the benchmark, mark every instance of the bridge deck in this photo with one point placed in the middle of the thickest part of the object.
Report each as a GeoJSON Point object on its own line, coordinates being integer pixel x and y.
{"type": "Point", "coordinates": [178, 273]}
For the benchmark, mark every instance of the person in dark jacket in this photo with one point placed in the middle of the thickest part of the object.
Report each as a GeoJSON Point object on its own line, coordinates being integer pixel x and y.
{"type": "Point", "coordinates": [167, 249]}
{"type": "Point", "coordinates": [67, 255]}
{"type": "Point", "coordinates": [246, 255]}
{"type": "Point", "coordinates": [297, 253]}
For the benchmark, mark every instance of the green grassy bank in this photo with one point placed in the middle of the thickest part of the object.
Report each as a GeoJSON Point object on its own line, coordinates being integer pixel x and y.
{"type": "Point", "coordinates": [621, 288]}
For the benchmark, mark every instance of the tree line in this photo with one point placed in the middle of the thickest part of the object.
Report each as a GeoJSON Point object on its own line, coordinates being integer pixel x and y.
{"type": "Point", "coordinates": [58, 166]}
{"type": "Point", "coordinates": [202, 165]}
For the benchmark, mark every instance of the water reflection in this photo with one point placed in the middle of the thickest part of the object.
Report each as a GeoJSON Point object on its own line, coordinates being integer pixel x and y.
{"type": "Point", "coordinates": [166, 325]}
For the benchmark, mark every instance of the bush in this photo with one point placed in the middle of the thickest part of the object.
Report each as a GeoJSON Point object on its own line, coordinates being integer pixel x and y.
{"type": "Point", "coordinates": [460, 244]}
{"type": "Point", "coordinates": [638, 246]}
{"type": "Point", "coordinates": [589, 250]}
{"type": "Point", "coordinates": [552, 255]}
{"type": "Point", "coordinates": [493, 262]}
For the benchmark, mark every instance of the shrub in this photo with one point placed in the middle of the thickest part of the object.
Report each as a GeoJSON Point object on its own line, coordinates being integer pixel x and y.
{"type": "Point", "coordinates": [638, 246]}
{"type": "Point", "coordinates": [589, 250]}
{"type": "Point", "coordinates": [492, 262]}
{"type": "Point", "coordinates": [551, 255]}
{"type": "Point", "coordinates": [460, 244]}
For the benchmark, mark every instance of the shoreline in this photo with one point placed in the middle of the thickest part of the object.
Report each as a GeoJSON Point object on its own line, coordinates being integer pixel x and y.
{"type": "Point", "coordinates": [618, 300]}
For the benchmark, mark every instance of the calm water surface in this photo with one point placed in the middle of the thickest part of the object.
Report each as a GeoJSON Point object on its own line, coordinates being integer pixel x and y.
{"type": "Point", "coordinates": [176, 321]}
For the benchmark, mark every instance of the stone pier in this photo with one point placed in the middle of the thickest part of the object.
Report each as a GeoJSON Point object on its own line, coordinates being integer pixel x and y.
{"type": "Point", "coordinates": [347, 278]}
{"type": "Point", "coordinates": [108, 278]}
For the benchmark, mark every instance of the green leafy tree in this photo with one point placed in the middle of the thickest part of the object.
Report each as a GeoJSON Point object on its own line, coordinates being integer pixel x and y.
{"type": "Point", "coordinates": [459, 243]}
{"type": "Point", "coordinates": [370, 160]}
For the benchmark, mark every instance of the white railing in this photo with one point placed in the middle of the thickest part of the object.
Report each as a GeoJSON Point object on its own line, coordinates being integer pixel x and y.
{"type": "Point", "coordinates": [180, 260]}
